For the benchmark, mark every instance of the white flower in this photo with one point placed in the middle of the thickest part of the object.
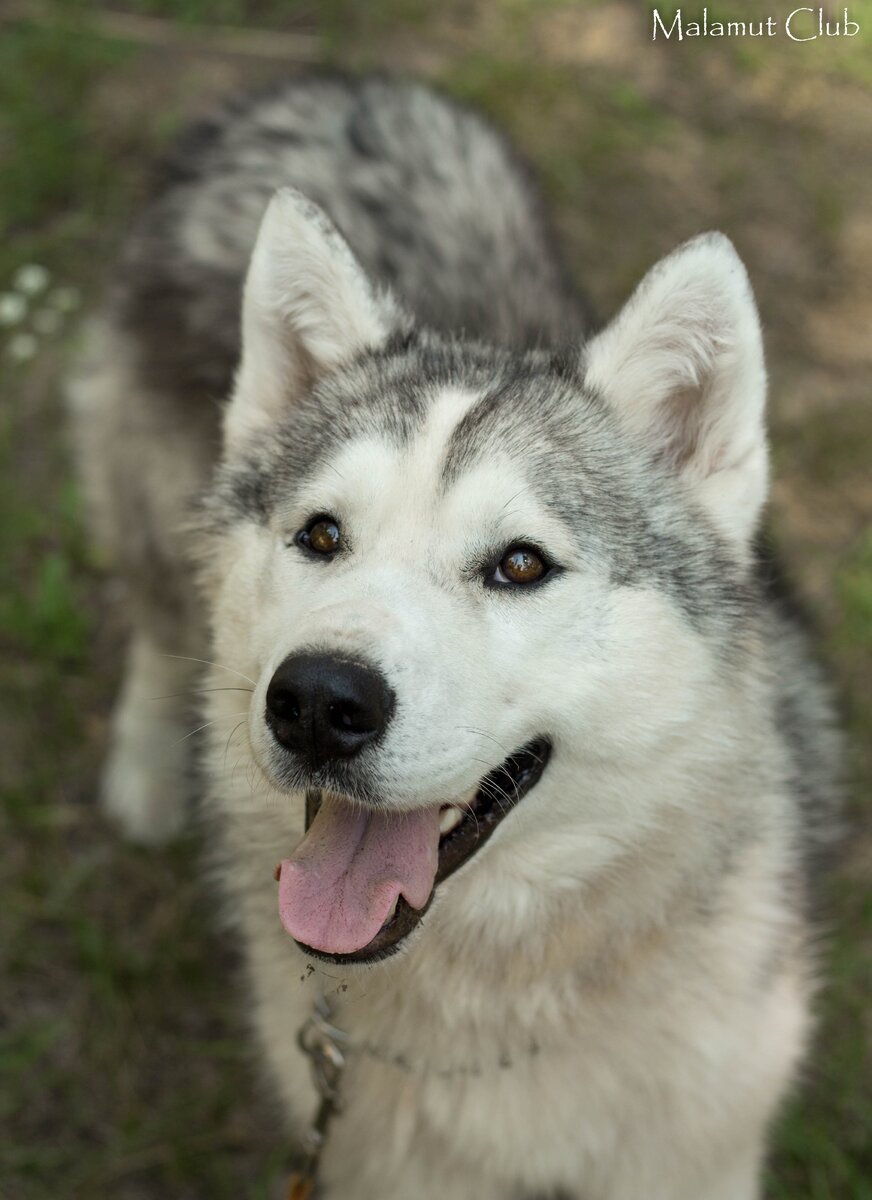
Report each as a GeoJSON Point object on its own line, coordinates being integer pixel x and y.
{"type": "Point", "coordinates": [12, 308]}
{"type": "Point", "coordinates": [31, 279]}
{"type": "Point", "coordinates": [22, 347]}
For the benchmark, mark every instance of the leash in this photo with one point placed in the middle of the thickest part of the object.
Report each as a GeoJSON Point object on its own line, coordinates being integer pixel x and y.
{"type": "Point", "coordinates": [322, 1043]}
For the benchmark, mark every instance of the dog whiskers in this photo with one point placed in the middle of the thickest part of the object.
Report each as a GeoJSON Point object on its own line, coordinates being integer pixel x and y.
{"type": "Point", "coordinates": [483, 733]}
{"type": "Point", "coordinates": [200, 728]}
{"type": "Point", "coordinates": [207, 662]}
{"type": "Point", "coordinates": [201, 692]}
{"type": "Point", "coordinates": [229, 740]}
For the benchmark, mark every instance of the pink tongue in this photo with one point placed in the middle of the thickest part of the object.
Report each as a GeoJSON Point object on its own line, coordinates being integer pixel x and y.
{"type": "Point", "coordinates": [336, 890]}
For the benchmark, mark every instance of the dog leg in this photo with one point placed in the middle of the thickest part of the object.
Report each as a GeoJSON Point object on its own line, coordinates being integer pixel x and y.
{"type": "Point", "coordinates": [147, 778]}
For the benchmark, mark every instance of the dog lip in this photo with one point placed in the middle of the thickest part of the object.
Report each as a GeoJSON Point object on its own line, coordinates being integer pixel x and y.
{"type": "Point", "coordinates": [498, 793]}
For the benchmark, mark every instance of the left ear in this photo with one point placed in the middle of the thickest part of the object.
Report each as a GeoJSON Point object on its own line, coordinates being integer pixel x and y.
{"type": "Point", "coordinates": [307, 308]}
{"type": "Point", "coordinates": [682, 365]}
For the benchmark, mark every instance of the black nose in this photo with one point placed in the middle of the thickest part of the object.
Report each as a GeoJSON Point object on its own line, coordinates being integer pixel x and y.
{"type": "Point", "coordinates": [324, 707]}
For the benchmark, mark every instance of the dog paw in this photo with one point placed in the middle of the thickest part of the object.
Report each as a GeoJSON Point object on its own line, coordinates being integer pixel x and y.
{"type": "Point", "coordinates": [146, 800]}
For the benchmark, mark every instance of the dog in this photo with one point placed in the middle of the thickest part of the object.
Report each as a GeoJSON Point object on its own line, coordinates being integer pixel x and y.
{"type": "Point", "coordinates": [479, 587]}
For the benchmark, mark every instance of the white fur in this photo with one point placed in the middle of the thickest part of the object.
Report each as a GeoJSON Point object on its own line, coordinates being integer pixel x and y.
{"type": "Point", "coordinates": [683, 365]}
{"type": "Point", "coordinates": [660, 1057]}
{"type": "Point", "coordinates": [610, 998]}
{"type": "Point", "coordinates": [144, 780]}
{"type": "Point", "coordinates": [666, 998]}
{"type": "Point", "coordinates": [307, 306]}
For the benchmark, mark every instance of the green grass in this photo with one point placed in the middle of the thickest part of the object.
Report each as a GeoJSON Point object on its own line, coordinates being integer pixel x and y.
{"type": "Point", "coordinates": [214, 12]}
{"type": "Point", "coordinates": [56, 187]}
{"type": "Point", "coordinates": [855, 592]}
{"type": "Point", "coordinates": [125, 1065]}
{"type": "Point", "coordinates": [824, 1140]}
{"type": "Point", "coordinates": [95, 939]}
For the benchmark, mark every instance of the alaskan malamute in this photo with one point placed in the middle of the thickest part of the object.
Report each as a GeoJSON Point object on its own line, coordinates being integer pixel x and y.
{"type": "Point", "coordinates": [479, 587]}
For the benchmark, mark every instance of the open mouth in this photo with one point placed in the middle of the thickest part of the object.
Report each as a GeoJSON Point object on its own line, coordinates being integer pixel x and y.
{"type": "Point", "coordinates": [362, 879]}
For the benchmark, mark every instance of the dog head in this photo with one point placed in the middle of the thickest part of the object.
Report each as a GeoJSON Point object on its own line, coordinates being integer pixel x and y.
{"type": "Point", "coordinates": [469, 585]}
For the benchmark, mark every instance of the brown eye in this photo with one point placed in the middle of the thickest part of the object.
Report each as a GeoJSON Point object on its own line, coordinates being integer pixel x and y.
{"type": "Point", "coordinates": [520, 564]}
{"type": "Point", "coordinates": [321, 536]}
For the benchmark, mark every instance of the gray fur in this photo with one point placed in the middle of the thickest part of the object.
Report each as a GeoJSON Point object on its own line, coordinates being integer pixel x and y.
{"type": "Point", "coordinates": [436, 208]}
{"type": "Point", "coordinates": [398, 170]}
{"type": "Point", "coordinates": [622, 508]}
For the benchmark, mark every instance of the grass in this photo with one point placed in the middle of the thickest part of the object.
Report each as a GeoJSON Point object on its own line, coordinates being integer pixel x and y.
{"type": "Point", "coordinates": [57, 186]}
{"type": "Point", "coordinates": [126, 1071]}
{"type": "Point", "coordinates": [854, 583]}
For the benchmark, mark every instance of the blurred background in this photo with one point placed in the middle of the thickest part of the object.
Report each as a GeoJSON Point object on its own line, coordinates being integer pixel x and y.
{"type": "Point", "coordinates": [125, 1068]}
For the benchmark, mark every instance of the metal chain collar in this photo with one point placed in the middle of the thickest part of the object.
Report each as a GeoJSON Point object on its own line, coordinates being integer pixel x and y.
{"type": "Point", "coordinates": [322, 1043]}
{"type": "Point", "coordinates": [327, 1046]}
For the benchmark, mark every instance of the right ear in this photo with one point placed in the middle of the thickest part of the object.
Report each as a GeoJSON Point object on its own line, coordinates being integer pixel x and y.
{"type": "Point", "coordinates": [306, 308]}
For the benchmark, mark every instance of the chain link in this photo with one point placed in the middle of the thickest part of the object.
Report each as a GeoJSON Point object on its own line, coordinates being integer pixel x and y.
{"type": "Point", "coordinates": [322, 1043]}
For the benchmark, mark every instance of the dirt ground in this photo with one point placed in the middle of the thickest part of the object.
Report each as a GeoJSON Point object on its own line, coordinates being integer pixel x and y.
{"type": "Point", "coordinates": [125, 1066]}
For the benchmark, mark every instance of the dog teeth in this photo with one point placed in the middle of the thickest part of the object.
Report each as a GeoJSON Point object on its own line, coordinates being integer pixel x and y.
{"type": "Point", "coordinates": [450, 818]}
{"type": "Point", "coordinates": [391, 911]}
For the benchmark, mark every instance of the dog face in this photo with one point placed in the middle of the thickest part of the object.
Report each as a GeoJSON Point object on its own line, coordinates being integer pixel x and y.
{"type": "Point", "coordinates": [461, 580]}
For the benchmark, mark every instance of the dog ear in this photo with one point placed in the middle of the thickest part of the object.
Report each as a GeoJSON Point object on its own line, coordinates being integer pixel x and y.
{"type": "Point", "coordinates": [682, 365]}
{"type": "Point", "coordinates": [307, 307]}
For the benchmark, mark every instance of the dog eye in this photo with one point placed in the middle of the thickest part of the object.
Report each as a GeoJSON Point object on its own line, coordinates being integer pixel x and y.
{"type": "Point", "coordinates": [321, 536]}
{"type": "Point", "coordinates": [520, 565]}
